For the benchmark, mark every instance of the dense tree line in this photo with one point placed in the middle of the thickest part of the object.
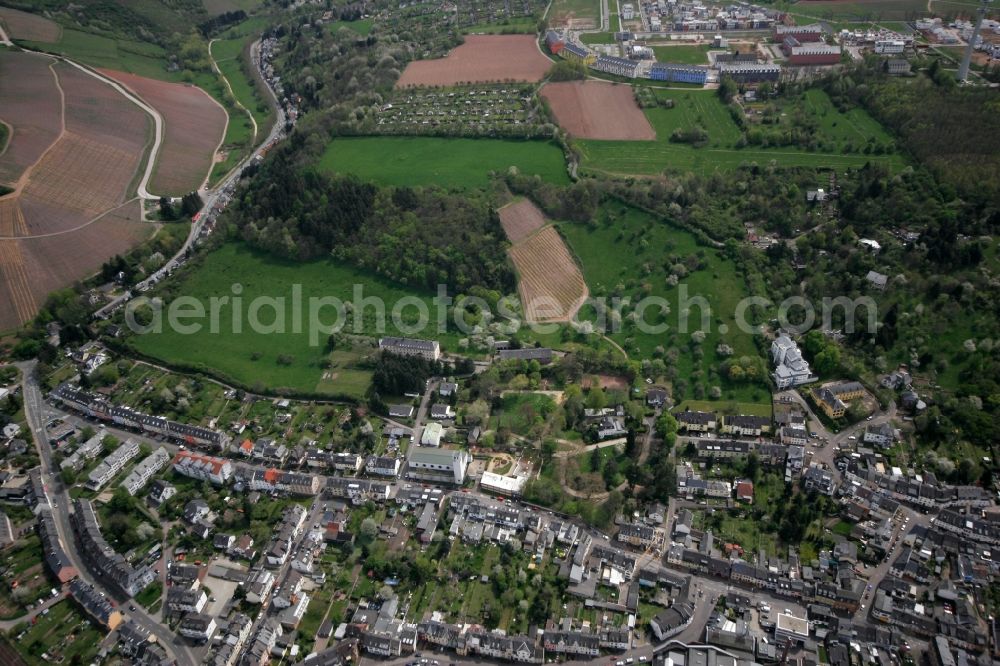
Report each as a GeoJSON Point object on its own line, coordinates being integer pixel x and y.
{"type": "Point", "coordinates": [418, 237]}
{"type": "Point", "coordinates": [954, 130]}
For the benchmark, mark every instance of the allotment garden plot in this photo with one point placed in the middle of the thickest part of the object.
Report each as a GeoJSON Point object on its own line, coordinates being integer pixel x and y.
{"type": "Point", "coordinates": [481, 59]}
{"type": "Point", "coordinates": [480, 110]}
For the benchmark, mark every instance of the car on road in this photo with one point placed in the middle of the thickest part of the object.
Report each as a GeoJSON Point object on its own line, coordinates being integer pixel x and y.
{"type": "Point", "coordinates": [853, 438]}
{"type": "Point", "coordinates": [132, 607]}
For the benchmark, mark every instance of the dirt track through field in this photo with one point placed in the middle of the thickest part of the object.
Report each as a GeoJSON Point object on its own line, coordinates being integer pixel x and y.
{"type": "Point", "coordinates": [481, 59]}
{"type": "Point", "coordinates": [598, 110]}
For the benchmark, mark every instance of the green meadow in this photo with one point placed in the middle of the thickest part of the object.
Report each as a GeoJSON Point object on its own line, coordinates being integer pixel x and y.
{"type": "Point", "coordinates": [284, 358]}
{"type": "Point", "coordinates": [685, 54]}
{"type": "Point", "coordinates": [460, 163]}
{"type": "Point", "coordinates": [704, 108]}
{"type": "Point", "coordinates": [628, 254]}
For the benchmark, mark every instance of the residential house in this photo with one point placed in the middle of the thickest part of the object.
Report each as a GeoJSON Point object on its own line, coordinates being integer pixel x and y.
{"type": "Point", "coordinates": [383, 466]}
{"type": "Point", "coordinates": [197, 627]}
{"type": "Point", "coordinates": [145, 470]}
{"type": "Point", "coordinates": [95, 604]}
{"type": "Point", "coordinates": [877, 280]}
{"type": "Point", "coordinates": [112, 464]}
{"type": "Point", "coordinates": [791, 369]}
{"type": "Point", "coordinates": [881, 435]}
{"type": "Point", "coordinates": [400, 411]}
{"type": "Point", "coordinates": [657, 397]}
{"type": "Point", "coordinates": [217, 471]}
{"type": "Point", "coordinates": [748, 426]}
{"type": "Point", "coordinates": [693, 421]}
{"type": "Point", "coordinates": [541, 354]}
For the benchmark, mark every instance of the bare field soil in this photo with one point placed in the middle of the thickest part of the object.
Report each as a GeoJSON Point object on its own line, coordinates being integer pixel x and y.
{"type": "Point", "coordinates": [71, 209]}
{"type": "Point", "coordinates": [30, 27]}
{"type": "Point", "coordinates": [194, 125]}
{"type": "Point", "coordinates": [550, 283]}
{"type": "Point", "coordinates": [596, 110]}
{"type": "Point", "coordinates": [481, 59]}
{"type": "Point", "coordinates": [31, 105]}
{"type": "Point", "coordinates": [32, 267]}
{"type": "Point", "coordinates": [521, 219]}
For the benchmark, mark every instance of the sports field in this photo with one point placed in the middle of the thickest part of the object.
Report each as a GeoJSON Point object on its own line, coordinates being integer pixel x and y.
{"type": "Point", "coordinates": [704, 108]}
{"type": "Point", "coordinates": [250, 357]}
{"type": "Point", "coordinates": [630, 254]}
{"type": "Point", "coordinates": [445, 162]}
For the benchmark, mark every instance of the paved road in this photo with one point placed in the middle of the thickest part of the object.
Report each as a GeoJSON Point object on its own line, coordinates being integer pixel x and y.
{"type": "Point", "coordinates": [33, 411]}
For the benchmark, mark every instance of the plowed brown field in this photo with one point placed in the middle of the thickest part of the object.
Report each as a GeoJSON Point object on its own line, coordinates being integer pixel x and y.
{"type": "Point", "coordinates": [67, 214]}
{"type": "Point", "coordinates": [549, 283]}
{"type": "Point", "coordinates": [521, 219]}
{"type": "Point", "coordinates": [30, 103]}
{"type": "Point", "coordinates": [32, 27]}
{"type": "Point", "coordinates": [597, 110]}
{"type": "Point", "coordinates": [194, 124]}
{"type": "Point", "coordinates": [481, 59]}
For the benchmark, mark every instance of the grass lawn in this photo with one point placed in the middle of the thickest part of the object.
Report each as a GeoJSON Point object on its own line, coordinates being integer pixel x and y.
{"type": "Point", "coordinates": [228, 54]}
{"type": "Point", "coordinates": [685, 54]}
{"type": "Point", "coordinates": [519, 411]}
{"type": "Point", "coordinates": [728, 407]}
{"type": "Point", "coordinates": [577, 9]}
{"type": "Point", "coordinates": [362, 26]}
{"type": "Point", "coordinates": [598, 38]}
{"type": "Point", "coordinates": [833, 10]}
{"type": "Point", "coordinates": [250, 357]}
{"type": "Point", "coordinates": [64, 634]}
{"type": "Point", "coordinates": [627, 254]}
{"type": "Point", "coordinates": [437, 161]}
{"type": "Point", "coordinates": [704, 108]}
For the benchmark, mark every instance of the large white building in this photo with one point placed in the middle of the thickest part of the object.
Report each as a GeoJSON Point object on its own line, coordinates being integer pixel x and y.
{"type": "Point", "coordinates": [790, 369]}
{"type": "Point", "coordinates": [428, 349]}
{"type": "Point", "coordinates": [503, 485]}
{"type": "Point", "coordinates": [439, 465]}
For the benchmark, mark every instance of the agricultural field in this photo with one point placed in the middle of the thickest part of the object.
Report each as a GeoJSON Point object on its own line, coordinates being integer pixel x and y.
{"type": "Point", "coordinates": [722, 152]}
{"type": "Point", "coordinates": [24, 25]}
{"type": "Point", "coordinates": [521, 219]}
{"type": "Point", "coordinates": [685, 54]}
{"type": "Point", "coordinates": [64, 218]}
{"type": "Point", "coordinates": [860, 10]}
{"type": "Point", "coordinates": [549, 282]}
{"type": "Point", "coordinates": [483, 110]}
{"type": "Point", "coordinates": [596, 110]}
{"type": "Point", "coordinates": [194, 125]}
{"type": "Point", "coordinates": [459, 163]}
{"type": "Point", "coordinates": [481, 59]}
{"type": "Point", "coordinates": [29, 103]}
{"type": "Point", "coordinates": [631, 255]}
{"type": "Point", "coordinates": [284, 358]}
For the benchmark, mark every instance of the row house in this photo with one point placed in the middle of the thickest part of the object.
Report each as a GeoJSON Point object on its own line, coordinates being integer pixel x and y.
{"type": "Point", "coordinates": [56, 557]}
{"type": "Point", "coordinates": [747, 426]}
{"type": "Point", "coordinates": [357, 491]}
{"type": "Point", "coordinates": [387, 466]}
{"type": "Point", "coordinates": [640, 536]}
{"type": "Point", "coordinates": [692, 421]}
{"type": "Point", "coordinates": [145, 470]}
{"type": "Point", "coordinates": [232, 642]}
{"type": "Point", "coordinates": [115, 462]}
{"type": "Point", "coordinates": [723, 448]}
{"type": "Point", "coordinates": [970, 526]}
{"type": "Point", "coordinates": [791, 435]}
{"type": "Point", "coordinates": [426, 349]}
{"type": "Point", "coordinates": [519, 649]}
{"type": "Point", "coordinates": [96, 604]}
{"type": "Point", "coordinates": [180, 600]}
{"type": "Point", "coordinates": [275, 480]}
{"type": "Point", "coordinates": [197, 627]}
{"type": "Point", "coordinates": [217, 471]}
{"type": "Point", "coordinates": [574, 643]}
{"type": "Point", "coordinates": [102, 558]}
